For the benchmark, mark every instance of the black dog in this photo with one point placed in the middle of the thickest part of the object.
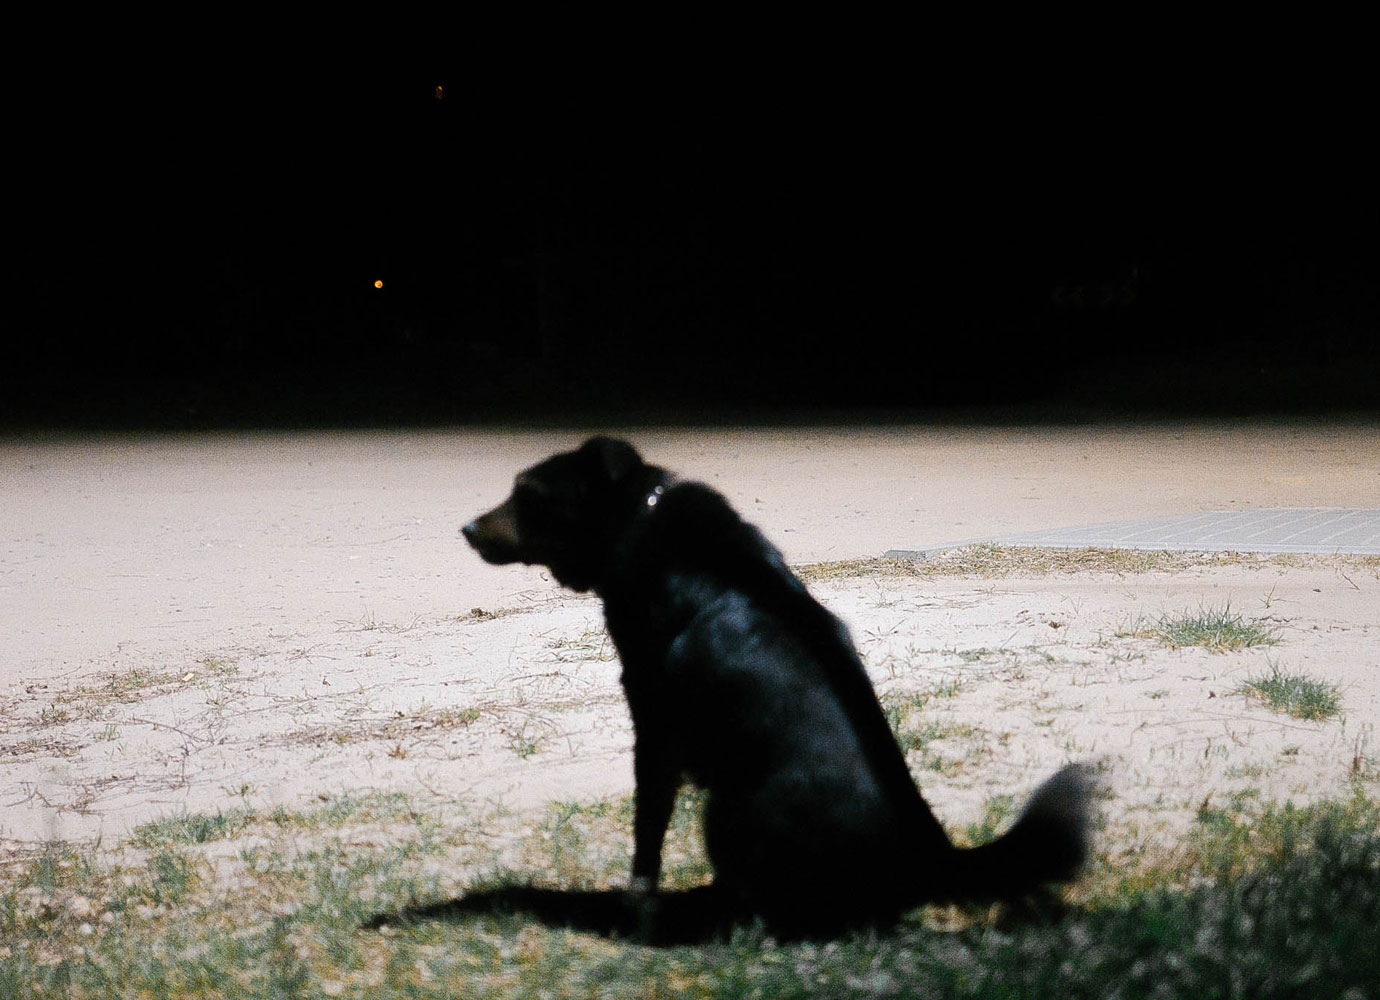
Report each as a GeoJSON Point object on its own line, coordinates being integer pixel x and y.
{"type": "Point", "coordinates": [739, 681]}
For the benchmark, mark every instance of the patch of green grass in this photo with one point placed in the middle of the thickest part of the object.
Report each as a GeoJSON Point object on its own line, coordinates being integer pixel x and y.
{"type": "Point", "coordinates": [1298, 695]}
{"type": "Point", "coordinates": [1262, 901]}
{"type": "Point", "coordinates": [1246, 835]}
{"type": "Point", "coordinates": [1218, 630]}
{"type": "Point", "coordinates": [580, 845]}
{"type": "Point", "coordinates": [329, 812]}
{"type": "Point", "coordinates": [586, 845]}
{"type": "Point", "coordinates": [338, 810]}
{"type": "Point", "coordinates": [187, 828]}
{"type": "Point", "coordinates": [172, 876]}
{"type": "Point", "coordinates": [75, 922]}
{"type": "Point", "coordinates": [915, 737]}
{"type": "Point", "coordinates": [997, 814]}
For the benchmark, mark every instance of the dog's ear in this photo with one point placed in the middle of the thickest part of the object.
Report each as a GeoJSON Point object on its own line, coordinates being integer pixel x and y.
{"type": "Point", "coordinates": [615, 458]}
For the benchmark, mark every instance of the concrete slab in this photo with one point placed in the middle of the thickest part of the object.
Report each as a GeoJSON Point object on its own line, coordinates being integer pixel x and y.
{"type": "Point", "coordinates": [1276, 529]}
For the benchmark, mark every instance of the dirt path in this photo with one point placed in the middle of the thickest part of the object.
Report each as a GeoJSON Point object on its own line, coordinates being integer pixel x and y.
{"type": "Point", "coordinates": [193, 621]}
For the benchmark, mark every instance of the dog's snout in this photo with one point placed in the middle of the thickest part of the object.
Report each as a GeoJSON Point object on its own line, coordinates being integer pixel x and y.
{"type": "Point", "coordinates": [495, 535]}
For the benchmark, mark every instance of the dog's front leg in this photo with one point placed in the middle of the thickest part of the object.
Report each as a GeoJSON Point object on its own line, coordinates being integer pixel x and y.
{"type": "Point", "coordinates": [657, 783]}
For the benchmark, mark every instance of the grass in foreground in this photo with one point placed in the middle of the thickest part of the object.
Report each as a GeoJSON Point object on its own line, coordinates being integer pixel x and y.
{"type": "Point", "coordinates": [1265, 901]}
{"type": "Point", "coordinates": [1298, 695]}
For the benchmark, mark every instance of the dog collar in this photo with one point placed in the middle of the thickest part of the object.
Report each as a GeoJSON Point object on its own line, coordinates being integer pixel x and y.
{"type": "Point", "coordinates": [655, 496]}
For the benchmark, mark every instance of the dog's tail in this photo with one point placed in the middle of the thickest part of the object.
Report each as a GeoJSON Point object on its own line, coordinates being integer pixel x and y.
{"type": "Point", "coordinates": [1047, 845]}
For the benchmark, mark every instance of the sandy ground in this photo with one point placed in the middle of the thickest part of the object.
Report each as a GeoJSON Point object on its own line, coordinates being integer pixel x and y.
{"type": "Point", "coordinates": [191, 623]}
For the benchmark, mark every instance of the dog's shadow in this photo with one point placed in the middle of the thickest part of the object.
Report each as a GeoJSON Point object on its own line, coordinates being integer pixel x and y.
{"type": "Point", "coordinates": [687, 917]}
{"type": "Point", "coordinates": [692, 916]}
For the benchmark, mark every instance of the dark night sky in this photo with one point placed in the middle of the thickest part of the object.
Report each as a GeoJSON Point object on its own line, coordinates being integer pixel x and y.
{"type": "Point", "coordinates": [200, 247]}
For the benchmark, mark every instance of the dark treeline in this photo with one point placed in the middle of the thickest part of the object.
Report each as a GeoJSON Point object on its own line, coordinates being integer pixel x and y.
{"type": "Point", "coordinates": [214, 246]}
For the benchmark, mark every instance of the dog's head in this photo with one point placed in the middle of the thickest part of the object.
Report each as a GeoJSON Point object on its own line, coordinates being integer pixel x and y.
{"type": "Point", "coordinates": [567, 512]}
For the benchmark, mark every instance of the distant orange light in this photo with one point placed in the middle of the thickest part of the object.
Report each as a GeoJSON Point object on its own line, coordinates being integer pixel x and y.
{"type": "Point", "coordinates": [378, 284]}
{"type": "Point", "coordinates": [439, 92]}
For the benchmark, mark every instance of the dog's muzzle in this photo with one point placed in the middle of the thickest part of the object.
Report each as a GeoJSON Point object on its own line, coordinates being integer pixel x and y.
{"type": "Point", "coordinates": [495, 535]}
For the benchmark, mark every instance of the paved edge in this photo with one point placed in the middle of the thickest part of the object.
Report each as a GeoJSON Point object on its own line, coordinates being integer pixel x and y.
{"type": "Point", "coordinates": [1215, 531]}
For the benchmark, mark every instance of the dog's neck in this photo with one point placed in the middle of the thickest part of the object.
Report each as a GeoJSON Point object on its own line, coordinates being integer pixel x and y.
{"type": "Point", "coordinates": [656, 484]}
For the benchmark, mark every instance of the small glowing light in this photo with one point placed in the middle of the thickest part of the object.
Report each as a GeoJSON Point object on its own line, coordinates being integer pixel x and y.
{"type": "Point", "coordinates": [378, 284]}
{"type": "Point", "coordinates": [439, 92]}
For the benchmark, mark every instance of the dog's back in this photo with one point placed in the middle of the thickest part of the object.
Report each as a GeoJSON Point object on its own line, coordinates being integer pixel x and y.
{"type": "Point", "coordinates": [812, 812]}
